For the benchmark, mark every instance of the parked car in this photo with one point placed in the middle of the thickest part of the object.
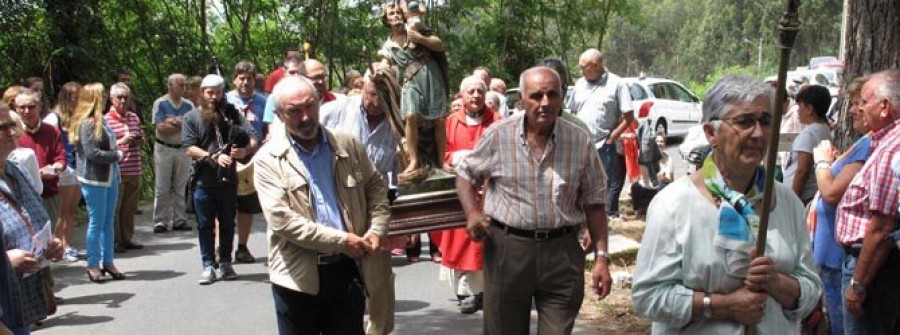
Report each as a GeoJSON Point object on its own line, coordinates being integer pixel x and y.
{"type": "Point", "coordinates": [823, 61]}
{"type": "Point", "coordinates": [671, 108]}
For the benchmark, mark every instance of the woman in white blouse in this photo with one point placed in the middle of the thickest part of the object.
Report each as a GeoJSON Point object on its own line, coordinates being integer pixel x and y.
{"type": "Point", "coordinates": [694, 271]}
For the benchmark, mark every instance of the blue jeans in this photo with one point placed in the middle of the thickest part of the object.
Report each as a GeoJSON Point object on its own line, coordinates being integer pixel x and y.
{"type": "Point", "coordinates": [834, 302]}
{"type": "Point", "coordinates": [852, 325]}
{"type": "Point", "coordinates": [101, 210]}
{"type": "Point", "coordinates": [614, 165]}
{"type": "Point", "coordinates": [24, 330]}
{"type": "Point", "coordinates": [211, 203]}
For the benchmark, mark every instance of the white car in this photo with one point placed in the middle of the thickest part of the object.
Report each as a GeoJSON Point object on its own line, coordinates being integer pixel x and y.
{"type": "Point", "coordinates": [671, 108]}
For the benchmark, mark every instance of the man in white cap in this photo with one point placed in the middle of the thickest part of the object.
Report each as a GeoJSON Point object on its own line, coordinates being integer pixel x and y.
{"type": "Point", "coordinates": [216, 136]}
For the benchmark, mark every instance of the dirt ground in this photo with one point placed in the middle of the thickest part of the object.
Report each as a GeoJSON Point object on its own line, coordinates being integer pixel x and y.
{"type": "Point", "coordinates": [614, 314]}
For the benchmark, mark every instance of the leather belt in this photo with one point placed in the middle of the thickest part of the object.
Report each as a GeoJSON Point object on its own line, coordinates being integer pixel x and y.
{"type": "Point", "coordinates": [536, 234]}
{"type": "Point", "coordinates": [331, 259]}
{"type": "Point", "coordinates": [853, 249]}
{"type": "Point", "coordinates": [173, 146]}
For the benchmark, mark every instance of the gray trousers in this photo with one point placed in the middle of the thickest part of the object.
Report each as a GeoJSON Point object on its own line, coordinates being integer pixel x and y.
{"type": "Point", "coordinates": [519, 271]}
{"type": "Point", "coordinates": [172, 172]}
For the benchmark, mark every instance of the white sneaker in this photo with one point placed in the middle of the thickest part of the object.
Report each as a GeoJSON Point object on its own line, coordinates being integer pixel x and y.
{"type": "Point", "coordinates": [70, 256]}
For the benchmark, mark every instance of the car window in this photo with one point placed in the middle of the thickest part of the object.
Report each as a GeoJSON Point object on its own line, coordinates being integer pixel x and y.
{"type": "Point", "coordinates": [679, 93]}
{"type": "Point", "coordinates": [637, 92]}
{"type": "Point", "coordinates": [659, 91]}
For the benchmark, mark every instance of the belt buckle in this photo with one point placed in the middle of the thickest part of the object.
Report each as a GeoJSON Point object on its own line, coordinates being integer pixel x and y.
{"type": "Point", "coordinates": [541, 234]}
{"type": "Point", "coordinates": [322, 259]}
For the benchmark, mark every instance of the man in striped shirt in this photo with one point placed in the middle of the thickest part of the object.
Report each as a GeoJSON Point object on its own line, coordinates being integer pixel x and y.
{"type": "Point", "coordinates": [130, 138]}
{"type": "Point", "coordinates": [542, 179]}
{"type": "Point", "coordinates": [867, 214]}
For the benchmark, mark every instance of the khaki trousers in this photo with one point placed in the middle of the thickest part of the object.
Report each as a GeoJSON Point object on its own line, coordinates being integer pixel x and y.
{"type": "Point", "coordinates": [379, 279]}
{"type": "Point", "coordinates": [129, 194]}
{"type": "Point", "coordinates": [519, 271]}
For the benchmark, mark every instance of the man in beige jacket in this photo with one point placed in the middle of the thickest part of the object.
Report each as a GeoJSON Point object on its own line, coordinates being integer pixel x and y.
{"type": "Point", "coordinates": [327, 210]}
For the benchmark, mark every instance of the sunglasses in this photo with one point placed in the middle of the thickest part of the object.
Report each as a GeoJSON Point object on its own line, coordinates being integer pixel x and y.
{"type": "Point", "coordinates": [748, 121]}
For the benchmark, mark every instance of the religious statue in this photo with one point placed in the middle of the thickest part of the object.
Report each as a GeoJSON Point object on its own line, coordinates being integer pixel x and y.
{"type": "Point", "coordinates": [418, 55]}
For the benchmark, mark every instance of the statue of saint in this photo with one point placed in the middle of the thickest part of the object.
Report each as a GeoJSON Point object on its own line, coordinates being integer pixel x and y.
{"type": "Point", "coordinates": [418, 55]}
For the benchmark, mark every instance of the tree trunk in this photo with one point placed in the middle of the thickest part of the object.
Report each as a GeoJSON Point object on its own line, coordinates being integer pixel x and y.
{"type": "Point", "coordinates": [871, 39]}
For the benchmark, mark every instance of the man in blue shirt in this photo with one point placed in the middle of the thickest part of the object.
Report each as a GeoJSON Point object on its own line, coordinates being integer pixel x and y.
{"type": "Point", "coordinates": [251, 105]}
{"type": "Point", "coordinates": [170, 159]}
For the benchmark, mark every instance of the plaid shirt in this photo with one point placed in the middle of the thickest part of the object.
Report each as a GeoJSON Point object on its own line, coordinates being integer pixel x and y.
{"type": "Point", "coordinates": [529, 192]}
{"type": "Point", "coordinates": [874, 189]}
{"type": "Point", "coordinates": [16, 235]}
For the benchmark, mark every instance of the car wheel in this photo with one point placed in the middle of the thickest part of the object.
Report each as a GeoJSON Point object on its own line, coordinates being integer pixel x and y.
{"type": "Point", "coordinates": [661, 128]}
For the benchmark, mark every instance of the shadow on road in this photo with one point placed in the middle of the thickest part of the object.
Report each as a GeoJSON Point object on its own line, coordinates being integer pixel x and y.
{"type": "Point", "coordinates": [402, 306]}
{"type": "Point", "coordinates": [73, 319]}
{"type": "Point", "coordinates": [152, 275]}
{"type": "Point", "coordinates": [111, 300]}
{"type": "Point", "coordinates": [254, 277]}
{"type": "Point", "coordinates": [156, 249]}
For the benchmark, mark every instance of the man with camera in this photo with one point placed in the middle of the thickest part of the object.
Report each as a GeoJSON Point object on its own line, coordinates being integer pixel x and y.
{"type": "Point", "coordinates": [216, 137]}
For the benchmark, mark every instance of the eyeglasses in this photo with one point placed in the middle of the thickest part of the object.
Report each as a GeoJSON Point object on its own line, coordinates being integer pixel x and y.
{"type": "Point", "coordinates": [320, 77]}
{"type": "Point", "coordinates": [748, 121]}
{"type": "Point", "coordinates": [121, 97]}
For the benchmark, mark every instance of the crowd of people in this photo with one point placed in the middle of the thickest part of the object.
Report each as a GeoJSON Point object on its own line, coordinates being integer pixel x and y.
{"type": "Point", "coordinates": [538, 183]}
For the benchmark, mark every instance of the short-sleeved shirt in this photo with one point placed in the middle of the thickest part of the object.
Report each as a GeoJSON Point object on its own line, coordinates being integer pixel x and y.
{"type": "Point", "coordinates": [808, 139]}
{"type": "Point", "coordinates": [826, 251]}
{"type": "Point", "coordinates": [196, 132]}
{"type": "Point", "coordinates": [873, 190]}
{"type": "Point", "coordinates": [601, 104]}
{"type": "Point", "coordinates": [123, 125]}
{"type": "Point", "coordinates": [530, 192]}
{"type": "Point", "coordinates": [251, 109]}
{"type": "Point", "coordinates": [164, 108]}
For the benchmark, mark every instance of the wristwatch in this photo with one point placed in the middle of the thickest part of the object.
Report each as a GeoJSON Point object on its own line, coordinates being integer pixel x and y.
{"type": "Point", "coordinates": [857, 287]}
{"type": "Point", "coordinates": [602, 254]}
{"type": "Point", "coordinates": [707, 305]}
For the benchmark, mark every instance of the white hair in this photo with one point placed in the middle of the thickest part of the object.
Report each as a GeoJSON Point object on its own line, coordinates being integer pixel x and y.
{"type": "Point", "coordinates": [174, 78]}
{"type": "Point", "coordinates": [470, 81]}
{"type": "Point", "coordinates": [119, 87]}
{"type": "Point", "coordinates": [292, 84]}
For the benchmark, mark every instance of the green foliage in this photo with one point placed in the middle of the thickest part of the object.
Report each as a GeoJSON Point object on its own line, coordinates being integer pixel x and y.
{"type": "Point", "coordinates": [700, 87]}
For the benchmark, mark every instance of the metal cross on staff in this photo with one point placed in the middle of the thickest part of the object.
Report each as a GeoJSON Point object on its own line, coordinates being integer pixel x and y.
{"type": "Point", "coordinates": [788, 27]}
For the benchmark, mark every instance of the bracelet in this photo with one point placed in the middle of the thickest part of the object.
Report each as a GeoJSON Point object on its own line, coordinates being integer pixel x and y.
{"type": "Point", "coordinates": [707, 305]}
{"type": "Point", "coordinates": [602, 254]}
{"type": "Point", "coordinates": [823, 164]}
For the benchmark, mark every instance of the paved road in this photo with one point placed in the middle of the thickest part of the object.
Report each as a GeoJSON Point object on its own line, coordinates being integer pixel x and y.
{"type": "Point", "coordinates": [161, 294]}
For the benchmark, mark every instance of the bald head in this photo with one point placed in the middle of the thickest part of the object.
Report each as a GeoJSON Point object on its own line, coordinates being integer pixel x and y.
{"type": "Point", "coordinates": [591, 64]}
{"type": "Point", "coordinates": [297, 105]}
{"type": "Point", "coordinates": [315, 71]}
{"type": "Point", "coordinates": [498, 85]}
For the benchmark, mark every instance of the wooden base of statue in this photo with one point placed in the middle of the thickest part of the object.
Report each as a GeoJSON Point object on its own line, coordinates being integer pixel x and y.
{"type": "Point", "coordinates": [428, 205]}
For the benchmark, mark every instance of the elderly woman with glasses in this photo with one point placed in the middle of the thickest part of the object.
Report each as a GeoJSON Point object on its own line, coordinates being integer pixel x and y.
{"type": "Point", "coordinates": [695, 273]}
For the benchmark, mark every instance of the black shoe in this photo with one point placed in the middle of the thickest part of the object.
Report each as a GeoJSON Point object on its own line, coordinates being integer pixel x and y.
{"type": "Point", "coordinates": [119, 249]}
{"type": "Point", "coordinates": [243, 255]}
{"type": "Point", "coordinates": [134, 246]}
{"type": "Point", "coordinates": [159, 229]}
{"type": "Point", "coordinates": [97, 279]}
{"type": "Point", "coordinates": [139, 212]}
{"type": "Point", "coordinates": [115, 275]}
{"type": "Point", "coordinates": [182, 227]}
